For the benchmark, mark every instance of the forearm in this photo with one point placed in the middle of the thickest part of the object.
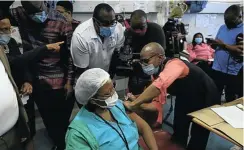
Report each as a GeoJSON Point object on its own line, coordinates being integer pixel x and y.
{"type": "Point", "coordinates": [71, 75]}
{"type": "Point", "coordinates": [148, 107]}
{"type": "Point", "coordinates": [150, 93]}
{"type": "Point", "coordinates": [147, 134]}
{"type": "Point", "coordinates": [144, 130]}
{"type": "Point", "coordinates": [28, 57]}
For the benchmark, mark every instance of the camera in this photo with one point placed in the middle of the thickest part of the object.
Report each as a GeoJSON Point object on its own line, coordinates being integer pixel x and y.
{"type": "Point", "coordinates": [175, 38]}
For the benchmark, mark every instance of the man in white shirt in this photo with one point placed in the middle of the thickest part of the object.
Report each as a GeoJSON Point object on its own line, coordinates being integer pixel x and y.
{"type": "Point", "coordinates": [12, 134]}
{"type": "Point", "coordinates": [95, 40]}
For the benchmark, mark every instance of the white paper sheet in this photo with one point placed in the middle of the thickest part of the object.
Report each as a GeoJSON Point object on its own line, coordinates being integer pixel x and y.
{"type": "Point", "coordinates": [24, 99]}
{"type": "Point", "coordinates": [232, 115]}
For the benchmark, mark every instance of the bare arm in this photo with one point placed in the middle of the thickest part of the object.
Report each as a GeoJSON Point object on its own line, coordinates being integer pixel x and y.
{"type": "Point", "coordinates": [150, 93]}
{"type": "Point", "coordinates": [148, 107]}
{"type": "Point", "coordinates": [159, 86]}
{"type": "Point", "coordinates": [145, 131]}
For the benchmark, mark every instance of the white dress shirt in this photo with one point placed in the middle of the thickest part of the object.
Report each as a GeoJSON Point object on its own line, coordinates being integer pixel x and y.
{"type": "Point", "coordinates": [88, 50]}
{"type": "Point", "coordinates": [9, 110]}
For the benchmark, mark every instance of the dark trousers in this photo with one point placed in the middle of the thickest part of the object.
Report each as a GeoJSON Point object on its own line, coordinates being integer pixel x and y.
{"type": "Point", "coordinates": [11, 140]}
{"type": "Point", "coordinates": [199, 135]}
{"type": "Point", "coordinates": [206, 67]}
{"type": "Point", "coordinates": [55, 111]}
{"type": "Point", "coordinates": [30, 110]}
{"type": "Point", "coordinates": [232, 84]}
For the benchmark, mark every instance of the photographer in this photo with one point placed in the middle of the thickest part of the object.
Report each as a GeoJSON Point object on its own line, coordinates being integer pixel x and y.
{"type": "Point", "coordinates": [175, 33]}
{"type": "Point", "coordinates": [137, 36]}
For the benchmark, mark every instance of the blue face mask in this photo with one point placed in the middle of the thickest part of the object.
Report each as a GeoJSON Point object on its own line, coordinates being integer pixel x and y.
{"type": "Point", "coordinates": [4, 39]}
{"type": "Point", "coordinates": [39, 17]}
{"type": "Point", "coordinates": [150, 69]}
{"type": "Point", "coordinates": [198, 40]}
{"type": "Point", "coordinates": [107, 31]}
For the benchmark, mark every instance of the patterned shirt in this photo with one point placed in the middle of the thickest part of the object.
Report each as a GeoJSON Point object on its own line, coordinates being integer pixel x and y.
{"type": "Point", "coordinates": [55, 68]}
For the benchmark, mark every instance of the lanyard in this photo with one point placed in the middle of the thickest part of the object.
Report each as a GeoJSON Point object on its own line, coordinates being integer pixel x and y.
{"type": "Point", "coordinates": [121, 136]}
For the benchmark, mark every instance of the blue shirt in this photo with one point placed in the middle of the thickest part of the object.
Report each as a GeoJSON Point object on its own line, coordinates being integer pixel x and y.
{"type": "Point", "coordinates": [107, 137]}
{"type": "Point", "coordinates": [222, 60]}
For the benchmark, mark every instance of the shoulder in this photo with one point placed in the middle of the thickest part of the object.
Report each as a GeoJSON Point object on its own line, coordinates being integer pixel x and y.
{"type": "Point", "coordinates": [222, 27]}
{"type": "Point", "coordinates": [119, 28]}
{"type": "Point", "coordinates": [154, 26]}
{"type": "Point", "coordinates": [56, 16]}
{"type": "Point", "coordinates": [84, 29]}
{"type": "Point", "coordinates": [175, 62]}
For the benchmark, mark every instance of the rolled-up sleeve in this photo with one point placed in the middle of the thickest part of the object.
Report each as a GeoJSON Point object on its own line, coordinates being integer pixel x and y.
{"type": "Point", "coordinates": [173, 70]}
{"type": "Point", "coordinates": [79, 52]}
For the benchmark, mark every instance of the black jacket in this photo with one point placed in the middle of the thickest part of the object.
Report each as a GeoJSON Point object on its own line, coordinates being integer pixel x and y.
{"type": "Point", "coordinates": [20, 63]}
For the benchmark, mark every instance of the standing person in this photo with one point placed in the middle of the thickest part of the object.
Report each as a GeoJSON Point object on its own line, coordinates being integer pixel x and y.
{"type": "Point", "coordinates": [95, 40]}
{"type": "Point", "coordinates": [66, 9]}
{"type": "Point", "coordinates": [173, 76]}
{"type": "Point", "coordinates": [139, 34]}
{"type": "Point", "coordinates": [53, 74]}
{"type": "Point", "coordinates": [19, 65]}
{"type": "Point", "coordinates": [12, 134]}
{"type": "Point", "coordinates": [175, 33]}
{"type": "Point", "coordinates": [227, 71]}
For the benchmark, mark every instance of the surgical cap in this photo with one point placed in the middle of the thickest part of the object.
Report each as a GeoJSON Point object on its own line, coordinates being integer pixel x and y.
{"type": "Point", "coordinates": [89, 83]}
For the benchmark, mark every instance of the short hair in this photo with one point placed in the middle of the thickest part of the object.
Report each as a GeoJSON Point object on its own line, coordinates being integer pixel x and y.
{"type": "Point", "coordinates": [138, 14]}
{"type": "Point", "coordinates": [67, 5]}
{"type": "Point", "coordinates": [234, 10]}
{"type": "Point", "coordinates": [99, 8]}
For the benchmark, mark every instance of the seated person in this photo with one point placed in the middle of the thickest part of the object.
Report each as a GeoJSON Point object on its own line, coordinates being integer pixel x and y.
{"type": "Point", "coordinates": [102, 123]}
{"type": "Point", "coordinates": [201, 53]}
{"type": "Point", "coordinates": [198, 50]}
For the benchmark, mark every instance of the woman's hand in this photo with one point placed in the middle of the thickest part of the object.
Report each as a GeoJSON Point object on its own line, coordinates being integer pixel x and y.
{"type": "Point", "coordinates": [54, 46]}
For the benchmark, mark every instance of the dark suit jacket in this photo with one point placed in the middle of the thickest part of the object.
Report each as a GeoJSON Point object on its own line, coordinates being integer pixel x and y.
{"type": "Point", "coordinates": [21, 125]}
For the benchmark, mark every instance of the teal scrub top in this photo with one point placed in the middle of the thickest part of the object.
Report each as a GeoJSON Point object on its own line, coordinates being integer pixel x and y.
{"type": "Point", "coordinates": [107, 138]}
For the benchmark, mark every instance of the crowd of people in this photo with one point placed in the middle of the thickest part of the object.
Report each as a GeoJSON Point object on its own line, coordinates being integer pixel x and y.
{"type": "Point", "coordinates": [65, 61]}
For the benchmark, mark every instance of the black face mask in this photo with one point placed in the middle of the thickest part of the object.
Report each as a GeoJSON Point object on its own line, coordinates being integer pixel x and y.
{"type": "Point", "coordinates": [232, 23]}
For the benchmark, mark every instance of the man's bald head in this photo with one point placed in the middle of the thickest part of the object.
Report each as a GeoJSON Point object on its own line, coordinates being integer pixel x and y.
{"type": "Point", "coordinates": [152, 49]}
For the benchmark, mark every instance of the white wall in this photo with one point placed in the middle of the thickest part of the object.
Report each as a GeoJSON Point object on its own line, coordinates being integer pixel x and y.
{"type": "Point", "coordinates": [210, 28]}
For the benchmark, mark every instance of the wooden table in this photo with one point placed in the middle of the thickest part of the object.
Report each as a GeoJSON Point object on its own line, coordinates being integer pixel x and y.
{"type": "Point", "coordinates": [221, 134]}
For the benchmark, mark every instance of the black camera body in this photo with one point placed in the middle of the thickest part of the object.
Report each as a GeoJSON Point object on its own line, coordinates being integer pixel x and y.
{"type": "Point", "coordinates": [175, 38]}
{"type": "Point", "coordinates": [125, 57]}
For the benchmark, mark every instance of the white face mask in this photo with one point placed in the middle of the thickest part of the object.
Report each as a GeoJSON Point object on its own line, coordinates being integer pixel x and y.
{"type": "Point", "coordinates": [110, 102]}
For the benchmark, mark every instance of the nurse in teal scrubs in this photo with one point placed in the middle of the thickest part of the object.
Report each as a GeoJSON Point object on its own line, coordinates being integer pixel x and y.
{"type": "Point", "coordinates": [102, 123]}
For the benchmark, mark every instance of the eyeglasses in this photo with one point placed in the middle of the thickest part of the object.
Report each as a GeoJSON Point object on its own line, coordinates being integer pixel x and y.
{"type": "Point", "coordinates": [106, 23]}
{"type": "Point", "coordinates": [146, 61]}
{"type": "Point", "coordinates": [106, 96]}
